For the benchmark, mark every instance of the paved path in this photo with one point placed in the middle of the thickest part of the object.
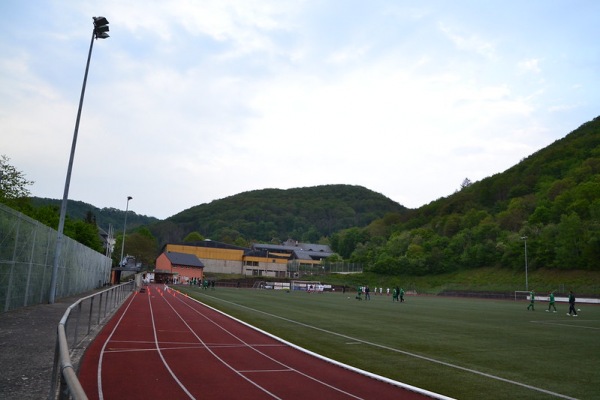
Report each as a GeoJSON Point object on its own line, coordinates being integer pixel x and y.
{"type": "Point", "coordinates": [27, 342]}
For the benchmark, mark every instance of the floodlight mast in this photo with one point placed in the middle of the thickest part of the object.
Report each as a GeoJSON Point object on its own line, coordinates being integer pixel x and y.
{"type": "Point", "coordinates": [524, 239]}
{"type": "Point", "coordinates": [124, 230]}
{"type": "Point", "coordinates": [99, 32]}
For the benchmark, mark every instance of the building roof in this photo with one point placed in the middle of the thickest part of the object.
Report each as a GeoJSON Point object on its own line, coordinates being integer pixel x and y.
{"type": "Point", "coordinates": [312, 247]}
{"type": "Point", "coordinates": [185, 259]}
{"type": "Point", "coordinates": [310, 255]}
{"type": "Point", "coordinates": [206, 243]}
{"type": "Point", "coordinates": [291, 248]}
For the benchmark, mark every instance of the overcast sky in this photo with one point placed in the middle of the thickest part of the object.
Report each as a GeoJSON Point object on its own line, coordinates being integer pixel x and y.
{"type": "Point", "coordinates": [192, 101]}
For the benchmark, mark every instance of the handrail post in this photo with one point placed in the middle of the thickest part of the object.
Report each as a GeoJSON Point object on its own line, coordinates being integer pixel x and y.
{"type": "Point", "coordinates": [76, 325]}
{"type": "Point", "coordinates": [90, 316]}
{"type": "Point", "coordinates": [99, 308]}
{"type": "Point", "coordinates": [55, 370]}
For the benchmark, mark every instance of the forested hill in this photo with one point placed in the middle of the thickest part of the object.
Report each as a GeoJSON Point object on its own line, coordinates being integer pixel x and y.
{"type": "Point", "coordinates": [304, 214]}
{"type": "Point", "coordinates": [551, 199]}
{"type": "Point", "coordinates": [561, 178]}
{"type": "Point", "coordinates": [103, 217]}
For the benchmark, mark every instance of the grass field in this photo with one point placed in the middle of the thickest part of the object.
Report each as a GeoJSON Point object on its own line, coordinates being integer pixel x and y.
{"type": "Point", "coordinates": [462, 348]}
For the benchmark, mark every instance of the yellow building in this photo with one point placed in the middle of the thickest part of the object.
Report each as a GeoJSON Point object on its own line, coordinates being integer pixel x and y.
{"type": "Point", "coordinates": [259, 260]}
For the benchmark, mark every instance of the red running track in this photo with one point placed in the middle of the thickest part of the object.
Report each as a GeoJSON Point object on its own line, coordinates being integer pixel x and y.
{"type": "Point", "coordinates": [165, 345]}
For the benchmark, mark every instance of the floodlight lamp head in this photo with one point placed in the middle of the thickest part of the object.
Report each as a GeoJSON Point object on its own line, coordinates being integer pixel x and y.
{"type": "Point", "coordinates": [98, 21]}
{"type": "Point", "coordinates": [129, 198]}
{"type": "Point", "coordinates": [523, 237]}
{"type": "Point", "coordinates": [101, 28]}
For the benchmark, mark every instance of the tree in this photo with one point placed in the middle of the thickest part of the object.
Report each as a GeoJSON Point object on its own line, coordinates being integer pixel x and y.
{"type": "Point", "coordinates": [86, 233]}
{"type": "Point", "coordinates": [570, 242]}
{"type": "Point", "coordinates": [13, 184]}
{"type": "Point", "coordinates": [141, 244]}
{"type": "Point", "coordinates": [465, 183]}
{"type": "Point", "coordinates": [346, 241]}
{"type": "Point", "coordinates": [193, 237]}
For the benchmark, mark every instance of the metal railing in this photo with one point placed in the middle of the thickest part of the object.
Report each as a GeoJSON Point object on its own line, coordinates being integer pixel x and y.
{"type": "Point", "coordinates": [75, 327]}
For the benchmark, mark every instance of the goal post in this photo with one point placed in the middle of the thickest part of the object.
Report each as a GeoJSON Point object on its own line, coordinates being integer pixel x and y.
{"type": "Point", "coordinates": [522, 294]}
{"type": "Point", "coordinates": [258, 285]}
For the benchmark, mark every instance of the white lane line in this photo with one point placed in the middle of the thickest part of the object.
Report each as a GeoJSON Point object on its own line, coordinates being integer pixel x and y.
{"type": "Point", "coordinates": [214, 354]}
{"type": "Point", "coordinates": [187, 304]}
{"type": "Point", "coordinates": [433, 360]}
{"type": "Point", "coordinates": [255, 371]}
{"type": "Point", "coordinates": [158, 349]}
{"type": "Point", "coordinates": [101, 358]}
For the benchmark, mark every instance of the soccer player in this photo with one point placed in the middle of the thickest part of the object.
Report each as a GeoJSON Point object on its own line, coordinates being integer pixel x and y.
{"type": "Point", "coordinates": [531, 301]}
{"type": "Point", "coordinates": [551, 304]}
{"type": "Point", "coordinates": [401, 295]}
{"type": "Point", "coordinates": [572, 304]}
{"type": "Point", "coordinates": [359, 293]}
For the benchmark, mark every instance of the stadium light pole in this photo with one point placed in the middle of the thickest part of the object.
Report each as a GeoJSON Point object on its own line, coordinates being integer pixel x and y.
{"type": "Point", "coordinates": [99, 32]}
{"type": "Point", "coordinates": [124, 228]}
{"type": "Point", "coordinates": [524, 239]}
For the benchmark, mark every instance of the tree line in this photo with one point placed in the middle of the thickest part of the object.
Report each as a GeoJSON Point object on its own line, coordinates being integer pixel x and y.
{"type": "Point", "coordinates": [549, 202]}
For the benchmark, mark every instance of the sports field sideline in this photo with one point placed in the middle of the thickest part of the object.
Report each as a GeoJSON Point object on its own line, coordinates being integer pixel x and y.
{"type": "Point", "coordinates": [460, 348]}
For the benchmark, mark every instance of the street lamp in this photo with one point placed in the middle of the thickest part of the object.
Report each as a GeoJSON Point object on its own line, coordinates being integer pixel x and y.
{"type": "Point", "coordinates": [524, 239]}
{"type": "Point", "coordinates": [124, 227]}
{"type": "Point", "coordinates": [99, 32]}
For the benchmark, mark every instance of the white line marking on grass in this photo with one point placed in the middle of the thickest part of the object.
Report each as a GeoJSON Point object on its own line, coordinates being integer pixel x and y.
{"type": "Point", "coordinates": [569, 325]}
{"type": "Point", "coordinates": [433, 360]}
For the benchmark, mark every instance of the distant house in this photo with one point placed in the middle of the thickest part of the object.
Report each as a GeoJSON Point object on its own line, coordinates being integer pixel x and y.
{"type": "Point", "coordinates": [310, 253]}
{"type": "Point", "coordinates": [178, 267]}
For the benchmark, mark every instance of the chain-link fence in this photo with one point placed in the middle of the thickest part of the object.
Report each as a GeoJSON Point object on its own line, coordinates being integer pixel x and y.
{"type": "Point", "coordinates": [26, 263]}
{"type": "Point", "coordinates": [296, 268]}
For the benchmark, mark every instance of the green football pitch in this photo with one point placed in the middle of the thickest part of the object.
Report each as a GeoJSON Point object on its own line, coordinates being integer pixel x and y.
{"type": "Point", "coordinates": [462, 348]}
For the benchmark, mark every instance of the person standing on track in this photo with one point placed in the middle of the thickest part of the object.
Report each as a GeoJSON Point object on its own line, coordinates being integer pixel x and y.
{"type": "Point", "coordinates": [551, 303]}
{"type": "Point", "coordinates": [401, 295]}
{"type": "Point", "coordinates": [572, 304]}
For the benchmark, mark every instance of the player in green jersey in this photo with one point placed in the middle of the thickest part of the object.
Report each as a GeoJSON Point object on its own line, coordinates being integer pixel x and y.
{"type": "Point", "coordinates": [551, 303]}
{"type": "Point", "coordinates": [531, 301]}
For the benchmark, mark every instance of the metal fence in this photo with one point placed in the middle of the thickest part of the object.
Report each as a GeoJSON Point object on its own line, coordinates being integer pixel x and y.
{"type": "Point", "coordinates": [76, 328]}
{"type": "Point", "coordinates": [26, 256]}
{"type": "Point", "coordinates": [296, 268]}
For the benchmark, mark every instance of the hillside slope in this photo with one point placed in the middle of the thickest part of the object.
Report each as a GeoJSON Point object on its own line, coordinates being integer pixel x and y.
{"type": "Point", "coordinates": [305, 214]}
{"type": "Point", "coordinates": [549, 202]}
